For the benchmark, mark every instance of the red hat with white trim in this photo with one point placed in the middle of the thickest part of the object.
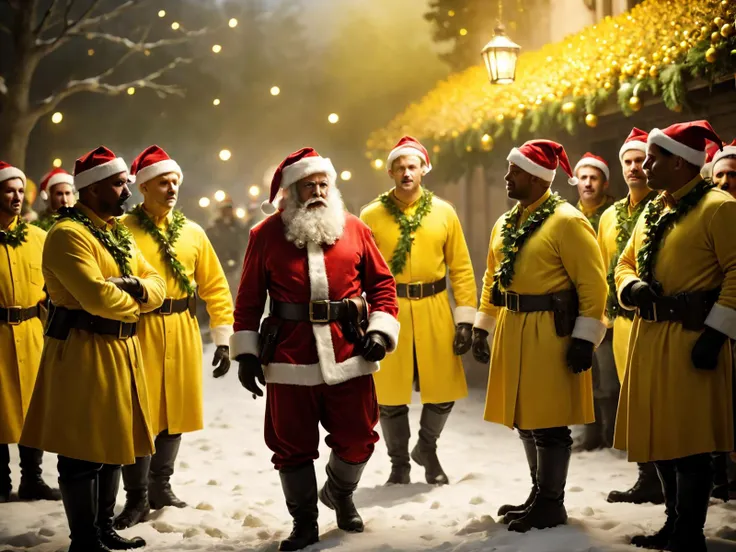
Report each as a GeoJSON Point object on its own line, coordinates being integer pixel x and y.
{"type": "Point", "coordinates": [541, 158]}
{"type": "Point", "coordinates": [296, 166]}
{"type": "Point", "coordinates": [409, 146]}
{"type": "Point", "coordinates": [152, 162]}
{"type": "Point", "coordinates": [636, 140]}
{"type": "Point", "coordinates": [686, 140]}
{"type": "Point", "coordinates": [710, 151]}
{"type": "Point", "coordinates": [728, 150]}
{"type": "Point", "coordinates": [595, 161]}
{"type": "Point", "coordinates": [8, 171]}
{"type": "Point", "coordinates": [51, 179]}
{"type": "Point", "coordinates": [97, 165]}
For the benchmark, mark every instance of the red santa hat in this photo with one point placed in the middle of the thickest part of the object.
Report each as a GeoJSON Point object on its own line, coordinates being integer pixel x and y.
{"type": "Point", "coordinates": [592, 160]}
{"type": "Point", "coordinates": [637, 140]}
{"type": "Point", "coordinates": [686, 140]}
{"type": "Point", "coordinates": [727, 150]}
{"type": "Point", "coordinates": [51, 179]}
{"type": "Point", "coordinates": [152, 162]}
{"type": "Point", "coordinates": [296, 166]}
{"type": "Point", "coordinates": [541, 158]}
{"type": "Point", "coordinates": [710, 151]}
{"type": "Point", "coordinates": [409, 146]}
{"type": "Point", "coordinates": [8, 171]}
{"type": "Point", "coordinates": [96, 165]}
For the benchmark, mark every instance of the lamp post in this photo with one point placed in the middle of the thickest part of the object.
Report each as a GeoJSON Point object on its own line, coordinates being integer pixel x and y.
{"type": "Point", "coordinates": [500, 54]}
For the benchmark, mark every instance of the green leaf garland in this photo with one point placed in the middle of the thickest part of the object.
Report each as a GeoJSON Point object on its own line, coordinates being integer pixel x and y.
{"type": "Point", "coordinates": [14, 238]}
{"type": "Point", "coordinates": [46, 221]}
{"type": "Point", "coordinates": [407, 226]}
{"type": "Point", "coordinates": [595, 218]}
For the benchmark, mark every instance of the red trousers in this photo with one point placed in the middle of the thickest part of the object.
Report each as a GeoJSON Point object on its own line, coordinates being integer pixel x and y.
{"type": "Point", "coordinates": [348, 411]}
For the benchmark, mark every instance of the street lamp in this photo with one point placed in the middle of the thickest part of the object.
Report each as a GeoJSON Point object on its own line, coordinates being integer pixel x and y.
{"type": "Point", "coordinates": [500, 54]}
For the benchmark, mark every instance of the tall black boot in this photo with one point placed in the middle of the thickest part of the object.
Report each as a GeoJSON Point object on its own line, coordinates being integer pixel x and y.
{"type": "Point", "coordinates": [648, 488]}
{"type": "Point", "coordinates": [668, 483]}
{"type": "Point", "coordinates": [431, 424]}
{"type": "Point", "coordinates": [720, 476]}
{"type": "Point", "coordinates": [509, 511]}
{"type": "Point", "coordinates": [300, 491]}
{"type": "Point", "coordinates": [693, 492]}
{"type": "Point", "coordinates": [32, 485]}
{"type": "Point", "coordinates": [337, 493]}
{"type": "Point", "coordinates": [608, 408]}
{"type": "Point", "coordinates": [162, 468]}
{"type": "Point", "coordinates": [6, 484]}
{"type": "Point", "coordinates": [108, 483]}
{"type": "Point", "coordinates": [80, 504]}
{"type": "Point", "coordinates": [135, 481]}
{"type": "Point", "coordinates": [396, 433]}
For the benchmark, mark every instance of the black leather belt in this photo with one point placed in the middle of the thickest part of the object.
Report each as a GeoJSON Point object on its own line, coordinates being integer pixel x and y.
{"type": "Point", "coordinates": [532, 303]}
{"type": "Point", "coordinates": [16, 315]}
{"type": "Point", "coordinates": [176, 306]}
{"type": "Point", "coordinates": [61, 320]}
{"type": "Point", "coordinates": [689, 308]}
{"type": "Point", "coordinates": [316, 312]}
{"type": "Point", "coordinates": [418, 290]}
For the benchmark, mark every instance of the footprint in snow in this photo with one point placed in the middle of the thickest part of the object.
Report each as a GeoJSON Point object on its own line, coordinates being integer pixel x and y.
{"type": "Point", "coordinates": [26, 540]}
{"type": "Point", "coordinates": [205, 448]}
{"type": "Point", "coordinates": [264, 535]}
{"type": "Point", "coordinates": [183, 465]}
{"type": "Point", "coordinates": [477, 525]}
{"type": "Point", "coordinates": [252, 521]}
{"type": "Point", "coordinates": [215, 533]}
{"type": "Point", "coordinates": [192, 532]}
{"type": "Point", "coordinates": [213, 483]}
{"type": "Point", "coordinates": [204, 506]}
{"type": "Point", "coordinates": [237, 488]}
{"type": "Point", "coordinates": [575, 489]}
{"type": "Point", "coordinates": [477, 500]}
{"type": "Point", "coordinates": [435, 506]}
{"type": "Point", "coordinates": [587, 511]}
{"type": "Point", "coordinates": [164, 527]}
{"type": "Point", "coordinates": [46, 532]}
{"type": "Point", "coordinates": [407, 517]}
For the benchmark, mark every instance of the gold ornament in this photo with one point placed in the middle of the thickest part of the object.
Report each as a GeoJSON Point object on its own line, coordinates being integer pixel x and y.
{"type": "Point", "coordinates": [569, 107]}
{"type": "Point", "coordinates": [666, 60]}
{"type": "Point", "coordinates": [635, 103]}
{"type": "Point", "coordinates": [468, 148]}
{"type": "Point", "coordinates": [591, 120]}
{"type": "Point", "coordinates": [718, 22]}
{"type": "Point", "coordinates": [715, 37]}
{"type": "Point", "coordinates": [435, 149]}
{"type": "Point", "coordinates": [710, 55]}
{"type": "Point", "coordinates": [677, 108]}
{"type": "Point", "coordinates": [726, 30]}
{"type": "Point", "coordinates": [653, 71]}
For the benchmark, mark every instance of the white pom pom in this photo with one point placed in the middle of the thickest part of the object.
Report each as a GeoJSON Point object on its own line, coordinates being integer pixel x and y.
{"type": "Point", "coordinates": [573, 181]}
{"type": "Point", "coordinates": [131, 179]}
{"type": "Point", "coordinates": [268, 208]}
{"type": "Point", "coordinates": [44, 195]}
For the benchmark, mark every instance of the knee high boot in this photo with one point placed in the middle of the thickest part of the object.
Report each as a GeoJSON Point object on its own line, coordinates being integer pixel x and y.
{"type": "Point", "coordinates": [135, 481]}
{"type": "Point", "coordinates": [108, 483]}
{"type": "Point", "coordinates": [162, 468]}
{"type": "Point", "coordinates": [300, 491]}
{"type": "Point", "coordinates": [693, 492]}
{"type": "Point", "coordinates": [395, 428]}
{"type": "Point", "coordinates": [337, 493]}
{"type": "Point", "coordinates": [431, 424]}
{"type": "Point", "coordinates": [668, 481]}
{"type": "Point", "coordinates": [511, 512]}
{"type": "Point", "coordinates": [32, 486]}
{"type": "Point", "coordinates": [6, 484]}
{"type": "Point", "coordinates": [79, 496]}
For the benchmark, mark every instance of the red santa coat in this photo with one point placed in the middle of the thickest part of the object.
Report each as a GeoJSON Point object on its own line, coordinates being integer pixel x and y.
{"type": "Point", "coordinates": [312, 354]}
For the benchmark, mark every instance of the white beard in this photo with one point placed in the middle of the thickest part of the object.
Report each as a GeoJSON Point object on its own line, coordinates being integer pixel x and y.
{"type": "Point", "coordinates": [320, 225]}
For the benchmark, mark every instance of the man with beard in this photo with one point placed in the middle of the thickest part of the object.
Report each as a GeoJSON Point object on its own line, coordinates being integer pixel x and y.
{"type": "Point", "coordinates": [545, 292]}
{"type": "Point", "coordinates": [178, 249]}
{"type": "Point", "coordinates": [21, 334]}
{"type": "Point", "coordinates": [315, 261]}
{"type": "Point", "coordinates": [724, 169]}
{"type": "Point", "coordinates": [678, 271]}
{"type": "Point", "coordinates": [57, 190]}
{"type": "Point", "coordinates": [422, 237]}
{"type": "Point", "coordinates": [89, 404]}
{"type": "Point", "coordinates": [592, 185]}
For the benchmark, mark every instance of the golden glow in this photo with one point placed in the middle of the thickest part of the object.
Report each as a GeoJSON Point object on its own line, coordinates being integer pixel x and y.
{"type": "Point", "coordinates": [451, 13]}
{"type": "Point", "coordinates": [333, 118]}
{"type": "Point", "coordinates": [378, 163]}
{"type": "Point", "coordinates": [463, 32]}
{"type": "Point", "coordinates": [175, 26]}
{"type": "Point", "coordinates": [57, 117]}
{"type": "Point", "coordinates": [275, 91]}
{"type": "Point", "coordinates": [91, 52]}
{"type": "Point", "coordinates": [220, 196]}
{"type": "Point", "coordinates": [162, 13]}
{"type": "Point", "coordinates": [216, 101]}
{"type": "Point", "coordinates": [131, 91]}
{"type": "Point", "coordinates": [254, 191]}
{"type": "Point", "coordinates": [225, 154]}
{"type": "Point", "coordinates": [240, 212]}
{"type": "Point", "coordinates": [233, 23]}
{"type": "Point", "coordinates": [204, 202]}
{"type": "Point", "coordinates": [57, 163]}
{"type": "Point", "coordinates": [346, 175]}
{"type": "Point", "coordinates": [216, 48]}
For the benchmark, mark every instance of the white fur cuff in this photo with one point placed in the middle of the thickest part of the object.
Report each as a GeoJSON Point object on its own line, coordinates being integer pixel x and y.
{"type": "Point", "coordinates": [722, 319]}
{"type": "Point", "coordinates": [626, 283]}
{"type": "Point", "coordinates": [221, 335]}
{"type": "Point", "coordinates": [243, 343]}
{"type": "Point", "coordinates": [484, 321]}
{"type": "Point", "coordinates": [383, 322]}
{"type": "Point", "coordinates": [589, 329]}
{"type": "Point", "coordinates": [464, 315]}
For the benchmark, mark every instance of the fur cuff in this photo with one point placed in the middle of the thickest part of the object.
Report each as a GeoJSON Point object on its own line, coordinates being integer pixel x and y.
{"type": "Point", "coordinates": [221, 334]}
{"type": "Point", "coordinates": [485, 322]}
{"type": "Point", "coordinates": [722, 319]}
{"type": "Point", "coordinates": [464, 315]}
{"type": "Point", "coordinates": [589, 329]}
{"type": "Point", "coordinates": [626, 283]}
{"type": "Point", "coordinates": [243, 343]}
{"type": "Point", "coordinates": [383, 322]}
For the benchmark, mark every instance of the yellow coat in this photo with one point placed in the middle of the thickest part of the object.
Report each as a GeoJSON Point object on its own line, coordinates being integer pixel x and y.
{"type": "Point", "coordinates": [668, 408]}
{"type": "Point", "coordinates": [530, 385]}
{"type": "Point", "coordinates": [21, 285]}
{"type": "Point", "coordinates": [90, 398]}
{"type": "Point", "coordinates": [427, 325]}
{"type": "Point", "coordinates": [172, 346]}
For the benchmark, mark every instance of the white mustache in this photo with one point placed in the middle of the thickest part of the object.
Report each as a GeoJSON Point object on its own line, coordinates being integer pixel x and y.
{"type": "Point", "coordinates": [316, 201]}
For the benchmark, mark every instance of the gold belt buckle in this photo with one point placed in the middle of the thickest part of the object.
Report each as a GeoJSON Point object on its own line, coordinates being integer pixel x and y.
{"type": "Point", "coordinates": [316, 319]}
{"type": "Point", "coordinates": [513, 305]}
{"type": "Point", "coordinates": [121, 335]}
{"type": "Point", "coordinates": [12, 321]}
{"type": "Point", "coordinates": [171, 306]}
{"type": "Point", "coordinates": [414, 286]}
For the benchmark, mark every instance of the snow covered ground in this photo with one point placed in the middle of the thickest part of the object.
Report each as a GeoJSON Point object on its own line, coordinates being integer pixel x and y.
{"type": "Point", "coordinates": [225, 474]}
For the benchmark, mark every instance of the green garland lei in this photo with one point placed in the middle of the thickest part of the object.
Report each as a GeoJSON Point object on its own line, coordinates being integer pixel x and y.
{"type": "Point", "coordinates": [117, 241]}
{"type": "Point", "coordinates": [46, 221]}
{"type": "Point", "coordinates": [595, 218]}
{"type": "Point", "coordinates": [14, 238]}
{"type": "Point", "coordinates": [407, 225]}
{"type": "Point", "coordinates": [166, 243]}
{"type": "Point", "coordinates": [513, 240]}
{"type": "Point", "coordinates": [657, 222]}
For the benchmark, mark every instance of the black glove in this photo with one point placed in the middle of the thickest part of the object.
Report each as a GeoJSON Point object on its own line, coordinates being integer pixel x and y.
{"type": "Point", "coordinates": [580, 355]}
{"type": "Point", "coordinates": [222, 357]}
{"type": "Point", "coordinates": [250, 369]}
{"type": "Point", "coordinates": [640, 294]}
{"type": "Point", "coordinates": [481, 349]}
{"type": "Point", "coordinates": [374, 346]}
{"type": "Point", "coordinates": [463, 339]}
{"type": "Point", "coordinates": [131, 286]}
{"type": "Point", "coordinates": [707, 348]}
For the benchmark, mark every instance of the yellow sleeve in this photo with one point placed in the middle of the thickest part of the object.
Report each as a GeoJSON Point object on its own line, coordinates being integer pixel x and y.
{"type": "Point", "coordinates": [213, 288]}
{"type": "Point", "coordinates": [487, 312]}
{"type": "Point", "coordinates": [603, 238]}
{"type": "Point", "coordinates": [460, 268]}
{"type": "Point", "coordinates": [152, 282]}
{"type": "Point", "coordinates": [626, 270]}
{"type": "Point", "coordinates": [722, 316]}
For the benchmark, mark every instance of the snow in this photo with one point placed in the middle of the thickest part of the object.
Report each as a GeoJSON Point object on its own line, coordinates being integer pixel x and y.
{"type": "Point", "coordinates": [225, 474]}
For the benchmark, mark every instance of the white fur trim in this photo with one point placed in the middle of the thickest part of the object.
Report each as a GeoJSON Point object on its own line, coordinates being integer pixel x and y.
{"type": "Point", "coordinates": [12, 172]}
{"type": "Point", "coordinates": [408, 150]}
{"type": "Point", "coordinates": [725, 152]}
{"type": "Point", "coordinates": [693, 156]}
{"type": "Point", "coordinates": [464, 315]}
{"type": "Point", "coordinates": [633, 145]}
{"type": "Point", "coordinates": [589, 329]}
{"type": "Point", "coordinates": [622, 287]}
{"type": "Point", "coordinates": [484, 321]}
{"type": "Point", "coordinates": [100, 172]}
{"type": "Point", "coordinates": [60, 178]}
{"type": "Point", "coordinates": [311, 374]}
{"type": "Point", "coordinates": [44, 195]}
{"type": "Point", "coordinates": [221, 335]}
{"type": "Point", "coordinates": [157, 169]}
{"type": "Point", "coordinates": [707, 170]}
{"type": "Point", "coordinates": [305, 167]}
{"type": "Point", "coordinates": [244, 342]}
{"type": "Point", "coordinates": [383, 322]}
{"type": "Point", "coordinates": [526, 164]}
{"type": "Point", "coordinates": [722, 319]}
{"type": "Point", "coordinates": [595, 163]}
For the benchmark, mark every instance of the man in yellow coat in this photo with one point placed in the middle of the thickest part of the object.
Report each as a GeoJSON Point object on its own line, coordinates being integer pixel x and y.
{"type": "Point", "coordinates": [544, 290]}
{"type": "Point", "coordinates": [678, 271]}
{"type": "Point", "coordinates": [179, 251]}
{"type": "Point", "coordinates": [21, 334]}
{"type": "Point", "coordinates": [421, 237]}
{"type": "Point", "coordinates": [89, 404]}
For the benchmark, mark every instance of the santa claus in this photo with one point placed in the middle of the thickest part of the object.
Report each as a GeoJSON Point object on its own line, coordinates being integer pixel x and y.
{"type": "Point", "coordinates": [312, 258]}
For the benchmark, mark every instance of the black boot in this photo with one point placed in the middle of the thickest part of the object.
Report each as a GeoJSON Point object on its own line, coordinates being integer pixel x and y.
{"type": "Point", "coordinates": [32, 485]}
{"type": "Point", "coordinates": [648, 488]}
{"type": "Point", "coordinates": [720, 476]}
{"type": "Point", "coordinates": [509, 511]}
{"type": "Point", "coordinates": [337, 492]}
{"type": "Point", "coordinates": [592, 437]}
{"type": "Point", "coordinates": [431, 424]}
{"type": "Point", "coordinates": [162, 468]}
{"type": "Point", "coordinates": [5, 483]}
{"type": "Point", "coordinates": [80, 504]}
{"type": "Point", "coordinates": [693, 493]}
{"type": "Point", "coordinates": [608, 408]}
{"type": "Point", "coordinates": [108, 483]}
{"type": "Point", "coordinates": [668, 483]}
{"type": "Point", "coordinates": [396, 433]}
{"type": "Point", "coordinates": [135, 481]}
{"type": "Point", "coordinates": [548, 508]}
{"type": "Point", "coordinates": [300, 490]}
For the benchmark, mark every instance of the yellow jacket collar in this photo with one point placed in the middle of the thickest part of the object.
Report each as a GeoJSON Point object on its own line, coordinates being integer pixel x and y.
{"type": "Point", "coordinates": [96, 220]}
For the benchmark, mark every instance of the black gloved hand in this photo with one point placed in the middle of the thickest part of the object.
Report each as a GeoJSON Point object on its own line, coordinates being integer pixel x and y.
{"type": "Point", "coordinates": [481, 349]}
{"type": "Point", "coordinates": [222, 357]}
{"type": "Point", "coordinates": [707, 349]}
{"type": "Point", "coordinates": [463, 338]}
{"type": "Point", "coordinates": [131, 286]}
{"type": "Point", "coordinates": [580, 355]}
{"type": "Point", "coordinates": [374, 346]}
{"type": "Point", "coordinates": [250, 370]}
{"type": "Point", "coordinates": [640, 294]}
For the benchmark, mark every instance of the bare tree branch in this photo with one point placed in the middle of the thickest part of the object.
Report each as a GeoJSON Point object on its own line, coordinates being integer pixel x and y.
{"type": "Point", "coordinates": [3, 86]}
{"type": "Point", "coordinates": [142, 46]}
{"type": "Point", "coordinates": [84, 22]}
{"type": "Point", "coordinates": [43, 25]}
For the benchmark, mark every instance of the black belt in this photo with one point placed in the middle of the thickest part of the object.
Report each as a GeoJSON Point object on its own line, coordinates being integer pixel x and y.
{"type": "Point", "coordinates": [419, 290]}
{"type": "Point", "coordinates": [316, 312]}
{"type": "Point", "coordinates": [16, 315]}
{"type": "Point", "coordinates": [61, 320]}
{"type": "Point", "coordinates": [692, 307]}
{"type": "Point", "coordinates": [532, 303]}
{"type": "Point", "coordinates": [176, 306]}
